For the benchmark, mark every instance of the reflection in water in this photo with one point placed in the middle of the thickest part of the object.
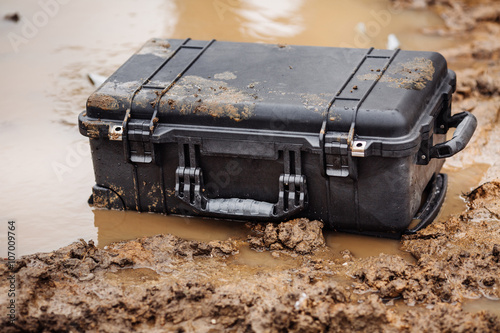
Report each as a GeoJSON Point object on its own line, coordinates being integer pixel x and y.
{"type": "Point", "coordinates": [267, 20]}
{"type": "Point", "coordinates": [312, 22]}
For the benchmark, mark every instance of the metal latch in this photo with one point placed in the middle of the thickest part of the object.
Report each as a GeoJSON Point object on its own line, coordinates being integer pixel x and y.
{"type": "Point", "coordinates": [137, 138]}
{"type": "Point", "coordinates": [358, 148]}
{"type": "Point", "coordinates": [336, 154]}
{"type": "Point", "coordinates": [339, 149]}
{"type": "Point", "coordinates": [115, 132]}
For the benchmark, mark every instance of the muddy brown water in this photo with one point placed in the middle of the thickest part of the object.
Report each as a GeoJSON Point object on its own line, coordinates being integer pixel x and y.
{"type": "Point", "coordinates": [482, 304]}
{"type": "Point", "coordinates": [46, 171]}
{"type": "Point", "coordinates": [115, 226]}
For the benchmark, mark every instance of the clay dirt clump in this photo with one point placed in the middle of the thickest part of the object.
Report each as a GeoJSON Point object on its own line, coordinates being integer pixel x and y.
{"type": "Point", "coordinates": [299, 235]}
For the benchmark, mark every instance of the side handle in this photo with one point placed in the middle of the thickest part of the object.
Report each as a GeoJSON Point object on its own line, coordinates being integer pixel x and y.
{"type": "Point", "coordinates": [465, 124]}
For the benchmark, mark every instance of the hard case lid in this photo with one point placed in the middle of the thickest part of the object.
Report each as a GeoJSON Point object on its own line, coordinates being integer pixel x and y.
{"type": "Point", "coordinates": [275, 87]}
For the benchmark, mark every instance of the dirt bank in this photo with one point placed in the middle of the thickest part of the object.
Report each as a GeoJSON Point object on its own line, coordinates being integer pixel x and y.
{"type": "Point", "coordinates": [457, 260]}
{"type": "Point", "coordinates": [164, 282]}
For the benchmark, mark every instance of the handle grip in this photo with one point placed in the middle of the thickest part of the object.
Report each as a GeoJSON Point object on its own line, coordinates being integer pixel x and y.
{"type": "Point", "coordinates": [465, 124]}
{"type": "Point", "coordinates": [291, 198]}
{"type": "Point", "coordinates": [240, 207]}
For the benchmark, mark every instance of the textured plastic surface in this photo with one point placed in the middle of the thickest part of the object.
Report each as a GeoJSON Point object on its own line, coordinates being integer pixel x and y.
{"type": "Point", "coordinates": [353, 137]}
{"type": "Point", "coordinates": [283, 89]}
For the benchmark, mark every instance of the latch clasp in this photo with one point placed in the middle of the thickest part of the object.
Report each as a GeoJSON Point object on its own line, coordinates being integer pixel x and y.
{"type": "Point", "coordinates": [336, 154]}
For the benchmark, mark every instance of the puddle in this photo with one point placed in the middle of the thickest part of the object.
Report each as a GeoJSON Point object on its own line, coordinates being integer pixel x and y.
{"type": "Point", "coordinates": [364, 246]}
{"type": "Point", "coordinates": [482, 304]}
{"type": "Point", "coordinates": [460, 181]}
{"type": "Point", "coordinates": [128, 276]}
{"type": "Point", "coordinates": [314, 22]}
{"type": "Point", "coordinates": [46, 170]}
{"type": "Point", "coordinates": [114, 226]}
{"type": "Point", "coordinates": [252, 258]}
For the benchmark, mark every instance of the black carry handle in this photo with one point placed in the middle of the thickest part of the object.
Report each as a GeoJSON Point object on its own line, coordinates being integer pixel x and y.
{"type": "Point", "coordinates": [465, 124]}
{"type": "Point", "coordinates": [291, 200]}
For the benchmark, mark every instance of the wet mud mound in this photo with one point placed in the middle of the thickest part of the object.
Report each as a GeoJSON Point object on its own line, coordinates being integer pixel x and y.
{"type": "Point", "coordinates": [458, 259]}
{"type": "Point", "coordinates": [299, 235]}
{"type": "Point", "coordinates": [167, 283]}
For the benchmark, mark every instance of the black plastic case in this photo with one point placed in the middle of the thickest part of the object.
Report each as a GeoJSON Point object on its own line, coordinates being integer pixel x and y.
{"type": "Point", "coordinates": [352, 137]}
